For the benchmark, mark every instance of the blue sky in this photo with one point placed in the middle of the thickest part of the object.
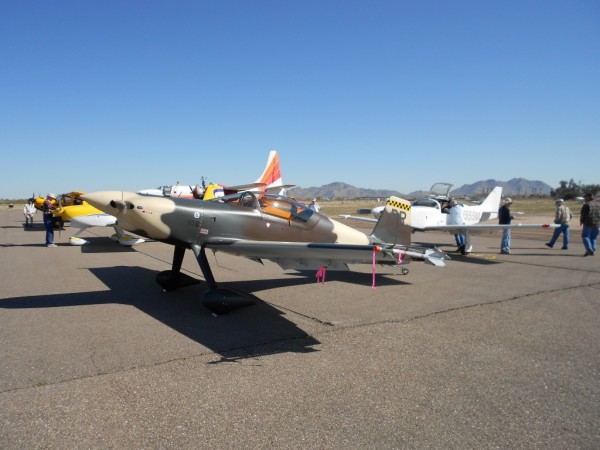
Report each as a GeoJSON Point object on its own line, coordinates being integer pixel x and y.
{"type": "Point", "coordinates": [98, 95]}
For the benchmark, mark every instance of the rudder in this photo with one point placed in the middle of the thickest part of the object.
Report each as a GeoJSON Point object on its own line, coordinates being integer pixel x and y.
{"type": "Point", "coordinates": [393, 226]}
{"type": "Point", "coordinates": [271, 176]}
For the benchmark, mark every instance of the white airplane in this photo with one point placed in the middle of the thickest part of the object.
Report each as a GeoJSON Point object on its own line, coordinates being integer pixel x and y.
{"type": "Point", "coordinates": [430, 213]}
{"type": "Point", "coordinates": [175, 190]}
{"type": "Point", "coordinates": [270, 180]}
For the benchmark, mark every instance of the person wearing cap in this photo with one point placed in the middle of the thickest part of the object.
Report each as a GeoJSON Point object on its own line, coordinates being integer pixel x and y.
{"type": "Point", "coordinates": [590, 221]}
{"type": "Point", "coordinates": [505, 218]}
{"type": "Point", "coordinates": [47, 208]}
{"type": "Point", "coordinates": [314, 205]}
{"type": "Point", "coordinates": [456, 217]}
{"type": "Point", "coordinates": [562, 217]}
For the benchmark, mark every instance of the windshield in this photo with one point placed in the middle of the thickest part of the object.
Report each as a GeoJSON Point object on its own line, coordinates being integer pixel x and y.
{"type": "Point", "coordinates": [428, 202]}
{"type": "Point", "coordinates": [440, 190]}
{"type": "Point", "coordinates": [274, 205]}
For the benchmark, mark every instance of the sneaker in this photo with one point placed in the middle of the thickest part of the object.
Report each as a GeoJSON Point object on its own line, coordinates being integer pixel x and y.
{"type": "Point", "coordinates": [505, 252]}
{"type": "Point", "coordinates": [587, 253]}
{"type": "Point", "coordinates": [52, 245]}
{"type": "Point", "coordinates": [565, 248]}
{"type": "Point", "coordinates": [549, 245]}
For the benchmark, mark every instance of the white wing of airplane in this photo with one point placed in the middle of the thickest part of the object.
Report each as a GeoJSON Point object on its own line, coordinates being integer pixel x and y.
{"type": "Point", "coordinates": [101, 220]}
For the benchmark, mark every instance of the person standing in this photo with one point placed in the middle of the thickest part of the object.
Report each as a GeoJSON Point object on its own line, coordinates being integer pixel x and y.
{"type": "Point", "coordinates": [314, 205]}
{"type": "Point", "coordinates": [562, 217]}
{"type": "Point", "coordinates": [47, 209]}
{"type": "Point", "coordinates": [29, 211]}
{"type": "Point", "coordinates": [456, 217]}
{"type": "Point", "coordinates": [590, 221]}
{"type": "Point", "coordinates": [505, 218]}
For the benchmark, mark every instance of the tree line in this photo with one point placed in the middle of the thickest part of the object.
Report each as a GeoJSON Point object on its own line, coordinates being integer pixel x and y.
{"type": "Point", "coordinates": [569, 190]}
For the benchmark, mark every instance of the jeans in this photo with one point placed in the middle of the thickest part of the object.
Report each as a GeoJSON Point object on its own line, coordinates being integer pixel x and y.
{"type": "Point", "coordinates": [460, 239]}
{"type": "Point", "coordinates": [49, 225]}
{"type": "Point", "coordinates": [505, 244]}
{"type": "Point", "coordinates": [564, 228]}
{"type": "Point", "coordinates": [589, 234]}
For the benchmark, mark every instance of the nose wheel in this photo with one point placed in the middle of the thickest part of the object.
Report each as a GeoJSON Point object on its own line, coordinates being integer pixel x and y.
{"type": "Point", "coordinates": [404, 271]}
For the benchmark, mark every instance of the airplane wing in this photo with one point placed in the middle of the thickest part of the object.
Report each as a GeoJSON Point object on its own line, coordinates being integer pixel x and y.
{"type": "Point", "coordinates": [101, 220]}
{"type": "Point", "coordinates": [480, 228]}
{"type": "Point", "coordinates": [277, 189]}
{"type": "Point", "coordinates": [484, 226]}
{"type": "Point", "coordinates": [463, 228]}
{"type": "Point", "coordinates": [94, 220]}
{"type": "Point", "coordinates": [303, 255]}
{"type": "Point", "coordinates": [243, 187]}
{"type": "Point", "coordinates": [364, 219]}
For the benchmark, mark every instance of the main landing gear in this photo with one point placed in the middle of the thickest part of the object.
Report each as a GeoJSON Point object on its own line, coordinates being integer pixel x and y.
{"type": "Point", "coordinates": [218, 300]}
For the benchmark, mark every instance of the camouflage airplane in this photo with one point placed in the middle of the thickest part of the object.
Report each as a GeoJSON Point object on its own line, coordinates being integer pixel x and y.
{"type": "Point", "coordinates": [259, 226]}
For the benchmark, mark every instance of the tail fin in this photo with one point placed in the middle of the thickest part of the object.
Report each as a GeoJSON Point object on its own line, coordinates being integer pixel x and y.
{"type": "Point", "coordinates": [489, 207]}
{"type": "Point", "coordinates": [393, 226]}
{"type": "Point", "coordinates": [213, 191]}
{"type": "Point", "coordinates": [492, 201]}
{"type": "Point", "coordinates": [271, 176]}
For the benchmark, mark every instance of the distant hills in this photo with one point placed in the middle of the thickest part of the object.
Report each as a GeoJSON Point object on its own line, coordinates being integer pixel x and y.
{"type": "Point", "coordinates": [514, 187]}
{"type": "Point", "coordinates": [338, 190]}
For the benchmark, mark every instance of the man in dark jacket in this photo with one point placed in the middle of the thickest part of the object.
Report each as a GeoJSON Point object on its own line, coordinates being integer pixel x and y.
{"type": "Point", "coordinates": [505, 218]}
{"type": "Point", "coordinates": [590, 221]}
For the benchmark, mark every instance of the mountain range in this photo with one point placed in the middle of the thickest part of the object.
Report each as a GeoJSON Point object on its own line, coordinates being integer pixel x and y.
{"type": "Point", "coordinates": [339, 190]}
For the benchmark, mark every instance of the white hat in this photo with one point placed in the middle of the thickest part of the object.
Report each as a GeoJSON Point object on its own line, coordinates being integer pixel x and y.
{"type": "Point", "coordinates": [507, 200]}
{"type": "Point", "coordinates": [51, 195]}
{"type": "Point", "coordinates": [559, 200]}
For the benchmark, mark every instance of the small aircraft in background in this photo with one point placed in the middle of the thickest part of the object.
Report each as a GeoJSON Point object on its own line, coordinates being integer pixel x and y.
{"type": "Point", "coordinates": [430, 213]}
{"type": "Point", "coordinates": [70, 207]}
{"type": "Point", "coordinates": [270, 180]}
{"type": "Point", "coordinates": [259, 226]}
{"type": "Point", "coordinates": [176, 190]}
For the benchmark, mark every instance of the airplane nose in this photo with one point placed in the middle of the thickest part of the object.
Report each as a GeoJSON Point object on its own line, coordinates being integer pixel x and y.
{"type": "Point", "coordinates": [105, 201]}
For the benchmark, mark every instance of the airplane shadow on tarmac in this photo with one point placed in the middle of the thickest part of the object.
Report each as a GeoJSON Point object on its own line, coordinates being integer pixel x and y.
{"type": "Point", "coordinates": [256, 330]}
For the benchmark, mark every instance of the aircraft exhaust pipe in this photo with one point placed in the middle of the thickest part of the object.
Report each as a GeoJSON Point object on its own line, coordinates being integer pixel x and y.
{"type": "Point", "coordinates": [119, 205]}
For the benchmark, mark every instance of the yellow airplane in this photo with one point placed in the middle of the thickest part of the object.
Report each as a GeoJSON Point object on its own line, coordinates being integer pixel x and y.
{"type": "Point", "coordinates": [70, 207]}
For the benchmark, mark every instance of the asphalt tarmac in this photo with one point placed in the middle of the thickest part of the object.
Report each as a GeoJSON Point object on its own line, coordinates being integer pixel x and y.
{"type": "Point", "coordinates": [493, 351]}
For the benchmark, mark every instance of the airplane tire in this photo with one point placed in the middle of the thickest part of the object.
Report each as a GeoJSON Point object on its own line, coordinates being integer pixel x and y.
{"type": "Point", "coordinates": [224, 301]}
{"type": "Point", "coordinates": [170, 282]}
